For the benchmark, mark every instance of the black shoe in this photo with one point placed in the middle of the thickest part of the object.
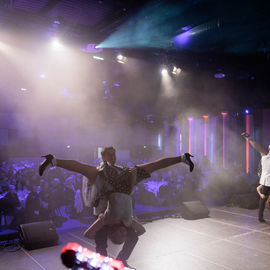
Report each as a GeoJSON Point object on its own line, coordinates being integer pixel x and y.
{"type": "Point", "coordinates": [128, 266]}
{"type": "Point", "coordinates": [262, 220]}
{"type": "Point", "coordinates": [186, 159]}
{"type": "Point", "coordinates": [45, 163]}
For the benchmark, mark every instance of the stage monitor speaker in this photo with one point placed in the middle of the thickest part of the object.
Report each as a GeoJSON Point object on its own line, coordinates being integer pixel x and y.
{"type": "Point", "coordinates": [38, 234]}
{"type": "Point", "coordinates": [194, 210]}
{"type": "Point", "coordinates": [248, 201]}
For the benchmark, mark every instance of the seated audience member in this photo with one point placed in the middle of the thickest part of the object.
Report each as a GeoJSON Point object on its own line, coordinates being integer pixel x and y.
{"type": "Point", "coordinates": [78, 203]}
{"type": "Point", "coordinates": [12, 206]}
{"type": "Point", "coordinates": [44, 195]}
{"type": "Point", "coordinates": [56, 196]}
{"type": "Point", "coordinates": [69, 193]}
{"type": "Point", "coordinates": [44, 191]}
{"type": "Point", "coordinates": [32, 206]}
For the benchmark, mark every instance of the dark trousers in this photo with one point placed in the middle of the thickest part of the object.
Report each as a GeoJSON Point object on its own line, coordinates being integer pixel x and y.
{"type": "Point", "coordinates": [101, 243]}
{"type": "Point", "coordinates": [266, 191]}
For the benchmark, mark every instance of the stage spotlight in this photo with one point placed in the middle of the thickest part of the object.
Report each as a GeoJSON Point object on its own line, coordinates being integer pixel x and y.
{"type": "Point", "coordinates": [164, 71]}
{"type": "Point", "coordinates": [121, 59]}
{"type": "Point", "coordinates": [42, 76]}
{"type": "Point", "coordinates": [176, 70]}
{"type": "Point", "coordinates": [247, 111]}
{"type": "Point", "coordinates": [98, 58]}
{"type": "Point", "coordinates": [56, 43]}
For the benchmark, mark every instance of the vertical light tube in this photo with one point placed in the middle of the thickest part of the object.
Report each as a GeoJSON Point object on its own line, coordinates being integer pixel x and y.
{"type": "Point", "coordinates": [190, 133]}
{"type": "Point", "coordinates": [166, 138]}
{"type": "Point", "coordinates": [177, 137]}
{"type": "Point", "coordinates": [247, 143]}
{"type": "Point", "coordinates": [159, 142]}
{"type": "Point", "coordinates": [205, 117]}
{"type": "Point", "coordinates": [213, 138]}
{"type": "Point", "coordinates": [224, 116]}
{"type": "Point", "coordinates": [180, 143]}
{"type": "Point", "coordinates": [212, 149]}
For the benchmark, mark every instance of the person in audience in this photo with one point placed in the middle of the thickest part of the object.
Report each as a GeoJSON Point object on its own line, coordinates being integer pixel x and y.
{"type": "Point", "coordinates": [56, 195]}
{"type": "Point", "coordinates": [69, 192]}
{"type": "Point", "coordinates": [44, 191]}
{"type": "Point", "coordinates": [12, 206]}
{"type": "Point", "coordinates": [32, 205]}
{"type": "Point", "coordinates": [264, 188]}
{"type": "Point", "coordinates": [44, 195]}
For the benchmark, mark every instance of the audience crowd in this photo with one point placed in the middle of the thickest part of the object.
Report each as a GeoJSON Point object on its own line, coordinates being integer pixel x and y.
{"type": "Point", "coordinates": [26, 197]}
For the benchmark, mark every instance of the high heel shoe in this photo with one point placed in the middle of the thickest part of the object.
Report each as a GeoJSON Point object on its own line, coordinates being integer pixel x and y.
{"type": "Point", "coordinates": [45, 163]}
{"type": "Point", "coordinates": [186, 159]}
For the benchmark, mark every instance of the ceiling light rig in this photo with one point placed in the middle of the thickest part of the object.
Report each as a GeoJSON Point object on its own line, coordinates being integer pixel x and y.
{"type": "Point", "coordinates": [164, 71]}
{"type": "Point", "coordinates": [170, 69]}
{"type": "Point", "coordinates": [176, 71]}
{"type": "Point", "coordinates": [98, 58]}
{"type": "Point", "coordinates": [121, 59]}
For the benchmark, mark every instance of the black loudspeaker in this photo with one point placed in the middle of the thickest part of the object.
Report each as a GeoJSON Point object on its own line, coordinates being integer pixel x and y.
{"type": "Point", "coordinates": [248, 200]}
{"type": "Point", "coordinates": [194, 210]}
{"type": "Point", "coordinates": [38, 234]}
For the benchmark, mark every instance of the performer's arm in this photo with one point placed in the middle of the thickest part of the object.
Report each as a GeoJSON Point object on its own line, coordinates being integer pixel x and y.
{"type": "Point", "coordinates": [138, 227]}
{"type": "Point", "coordinates": [258, 147]}
{"type": "Point", "coordinates": [255, 144]}
{"type": "Point", "coordinates": [259, 191]}
{"type": "Point", "coordinates": [89, 171]}
{"type": "Point", "coordinates": [94, 228]}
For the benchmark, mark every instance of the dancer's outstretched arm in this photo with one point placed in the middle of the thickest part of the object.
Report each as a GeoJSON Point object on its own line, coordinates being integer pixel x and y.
{"type": "Point", "coordinates": [166, 162]}
{"type": "Point", "coordinates": [255, 144]}
{"type": "Point", "coordinates": [258, 147]}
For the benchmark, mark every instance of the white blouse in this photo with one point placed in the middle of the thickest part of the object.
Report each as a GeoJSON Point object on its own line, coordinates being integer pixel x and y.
{"type": "Point", "coordinates": [265, 177]}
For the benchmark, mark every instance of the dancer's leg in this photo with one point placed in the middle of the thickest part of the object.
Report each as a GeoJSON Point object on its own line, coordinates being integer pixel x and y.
{"type": "Point", "coordinates": [101, 240]}
{"type": "Point", "coordinates": [89, 171]}
{"type": "Point", "coordinates": [261, 208]}
{"type": "Point", "coordinates": [166, 162]}
{"type": "Point", "coordinates": [129, 245]}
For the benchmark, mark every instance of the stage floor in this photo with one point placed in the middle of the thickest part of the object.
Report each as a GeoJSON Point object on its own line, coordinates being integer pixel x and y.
{"type": "Point", "coordinates": [231, 238]}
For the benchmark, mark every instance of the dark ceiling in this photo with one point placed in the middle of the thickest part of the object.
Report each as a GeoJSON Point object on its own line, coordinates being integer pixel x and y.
{"type": "Point", "coordinates": [229, 27]}
{"type": "Point", "coordinates": [231, 36]}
